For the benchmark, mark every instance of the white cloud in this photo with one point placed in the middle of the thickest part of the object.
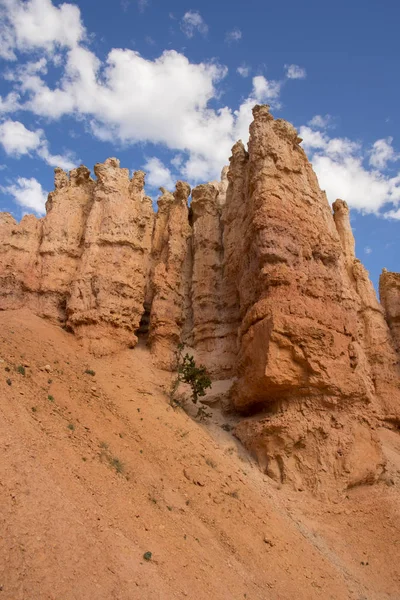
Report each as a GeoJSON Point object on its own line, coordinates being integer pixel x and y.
{"type": "Point", "coordinates": [392, 214]}
{"type": "Point", "coordinates": [243, 70]}
{"type": "Point", "coordinates": [368, 250]}
{"type": "Point", "coordinates": [66, 161]}
{"type": "Point", "coordinates": [17, 140]}
{"type": "Point", "coordinates": [28, 193]}
{"type": "Point", "coordinates": [191, 22]}
{"type": "Point", "coordinates": [38, 24]}
{"type": "Point", "coordinates": [157, 174]}
{"type": "Point", "coordinates": [321, 122]}
{"type": "Point", "coordinates": [233, 36]}
{"type": "Point", "coordinates": [339, 165]}
{"type": "Point", "coordinates": [382, 152]}
{"type": "Point", "coordinates": [128, 99]}
{"type": "Point", "coordinates": [295, 72]}
{"type": "Point", "coordinates": [9, 104]}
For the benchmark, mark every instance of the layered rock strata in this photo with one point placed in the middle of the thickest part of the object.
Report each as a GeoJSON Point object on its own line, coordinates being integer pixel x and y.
{"type": "Point", "coordinates": [255, 274]}
{"type": "Point", "coordinates": [389, 292]}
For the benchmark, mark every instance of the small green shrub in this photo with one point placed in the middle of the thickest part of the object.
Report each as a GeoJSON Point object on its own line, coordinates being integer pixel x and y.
{"type": "Point", "coordinates": [196, 376]}
{"type": "Point", "coordinates": [71, 426]}
{"type": "Point", "coordinates": [90, 372]}
{"type": "Point", "coordinates": [21, 370]}
{"type": "Point", "coordinates": [50, 397]}
{"type": "Point", "coordinates": [147, 555]}
{"type": "Point", "coordinates": [8, 381]}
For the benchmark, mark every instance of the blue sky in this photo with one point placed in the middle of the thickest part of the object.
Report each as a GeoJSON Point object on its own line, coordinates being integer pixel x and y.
{"type": "Point", "coordinates": [168, 86]}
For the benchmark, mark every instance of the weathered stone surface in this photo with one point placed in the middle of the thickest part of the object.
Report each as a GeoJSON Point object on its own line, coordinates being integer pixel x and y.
{"type": "Point", "coordinates": [171, 275]}
{"type": "Point", "coordinates": [108, 293]}
{"type": "Point", "coordinates": [389, 292]}
{"type": "Point", "coordinates": [61, 247]}
{"type": "Point", "coordinates": [257, 277]}
{"type": "Point", "coordinates": [298, 316]}
{"type": "Point", "coordinates": [19, 261]}
{"type": "Point", "coordinates": [299, 338]}
{"type": "Point", "coordinates": [373, 330]}
{"type": "Point", "coordinates": [213, 338]}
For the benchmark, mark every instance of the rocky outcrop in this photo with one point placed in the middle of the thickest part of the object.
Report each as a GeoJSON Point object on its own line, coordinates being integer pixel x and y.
{"type": "Point", "coordinates": [214, 335]}
{"type": "Point", "coordinates": [108, 293]}
{"type": "Point", "coordinates": [62, 241]}
{"type": "Point", "coordinates": [256, 275]}
{"type": "Point", "coordinates": [389, 292]}
{"type": "Point", "coordinates": [19, 261]}
{"type": "Point", "coordinates": [170, 281]}
{"type": "Point", "coordinates": [373, 331]}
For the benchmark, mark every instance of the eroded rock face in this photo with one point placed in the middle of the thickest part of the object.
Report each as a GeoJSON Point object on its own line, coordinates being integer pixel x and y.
{"type": "Point", "coordinates": [389, 292]}
{"type": "Point", "coordinates": [213, 336]}
{"type": "Point", "coordinates": [171, 275]}
{"type": "Point", "coordinates": [108, 293]}
{"type": "Point", "coordinates": [298, 332]}
{"type": "Point", "coordinates": [257, 276]}
{"type": "Point", "coordinates": [19, 261]}
{"type": "Point", "coordinates": [61, 248]}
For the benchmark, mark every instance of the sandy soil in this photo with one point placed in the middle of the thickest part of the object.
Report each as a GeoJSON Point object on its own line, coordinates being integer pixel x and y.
{"type": "Point", "coordinates": [97, 470]}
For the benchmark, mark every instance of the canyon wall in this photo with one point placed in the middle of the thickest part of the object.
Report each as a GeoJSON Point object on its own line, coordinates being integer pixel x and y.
{"type": "Point", "coordinates": [255, 274]}
{"type": "Point", "coordinates": [389, 292]}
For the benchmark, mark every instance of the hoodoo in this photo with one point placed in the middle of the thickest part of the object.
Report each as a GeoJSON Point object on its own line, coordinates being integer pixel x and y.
{"type": "Point", "coordinates": [255, 273]}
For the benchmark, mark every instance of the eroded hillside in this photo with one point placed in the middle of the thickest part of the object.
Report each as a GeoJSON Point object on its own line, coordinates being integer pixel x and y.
{"type": "Point", "coordinates": [96, 470]}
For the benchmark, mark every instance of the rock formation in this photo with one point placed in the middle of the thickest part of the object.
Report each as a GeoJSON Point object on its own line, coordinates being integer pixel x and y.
{"type": "Point", "coordinates": [256, 275]}
{"type": "Point", "coordinates": [389, 292]}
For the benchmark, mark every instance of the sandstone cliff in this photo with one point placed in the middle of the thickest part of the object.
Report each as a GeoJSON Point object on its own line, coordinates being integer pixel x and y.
{"type": "Point", "coordinates": [389, 292]}
{"type": "Point", "coordinates": [255, 274]}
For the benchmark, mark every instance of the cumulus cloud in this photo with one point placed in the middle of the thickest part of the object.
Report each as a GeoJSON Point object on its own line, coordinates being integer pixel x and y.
{"type": "Point", "coordinates": [233, 36]}
{"type": "Point", "coordinates": [368, 250]}
{"type": "Point", "coordinates": [17, 140]}
{"type": "Point", "coordinates": [164, 101]}
{"type": "Point", "coordinates": [157, 174]}
{"type": "Point", "coordinates": [295, 72]}
{"type": "Point", "coordinates": [321, 121]}
{"type": "Point", "coordinates": [126, 98]}
{"type": "Point", "coordinates": [191, 22]}
{"type": "Point", "coordinates": [340, 166]}
{"type": "Point", "coordinates": [38, 24]}
{"type": "Point", "coordinates": [243, 70]}
{"type": "Point", "coordinates": [9, 104]}
{"type": "Point", "coordinates": [28, 193]}
{"type": "Point", "coordinates": [382, 152]}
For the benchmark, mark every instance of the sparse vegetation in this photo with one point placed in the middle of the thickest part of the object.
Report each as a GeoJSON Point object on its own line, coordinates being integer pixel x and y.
{"type": "Point", "coordinates": [21, 370]}
{"type": "Point", "coordinates": [90, 372]}
{"type": "Point", "coordinates": [226, 427]}
{"type": "Point", "coordinates": [196, 376]}
{"type": "Point", "coordinates": [116, 464]}
{"type": "Point", "coordinates": [34, 409]}
{"type": "Point", "coordinates": [71, 426]}
{"type": "Point", "coordinates": [147, 556]}
{"type": "Point", "coordinates": [50, 398]}
{"type": "Point", "coordinates": [8, 382]}
{"type": "Point", "coordinates": [113, 461]}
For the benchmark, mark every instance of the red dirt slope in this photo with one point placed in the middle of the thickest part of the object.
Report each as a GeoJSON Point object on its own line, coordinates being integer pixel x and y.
{"type": "Point", "coordinates": [97, 470]}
